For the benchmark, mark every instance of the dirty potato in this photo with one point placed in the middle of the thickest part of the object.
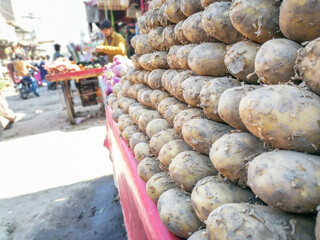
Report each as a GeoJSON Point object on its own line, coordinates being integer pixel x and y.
{"type": "Point", "coordinates": [173, 12]}
{"type": "Point", "coordinates": [141, 151]}
{"type": "Point", "coordinates": [155, 38]}
{"type": "Point", "coordinates": [143, 45]}
{"type": "Point", "coordinates": [158, 184]}
{"type": "Point", "coordinates": [147, 117]}
{"type": "Point", "coordinates": [148, 167]}
{"type": "Point", "coordinates": [129, 131]}
{"type": "Point", "coordinates": [137, 138]}
{"type": "Point", "coordinates": [182, 55]}
{"type": "Point", "coordinates": [124, 121]}
{"type": "Point", "coordinates": [171, 58]}
{"type": "Point", "coordinates": [116, 113]}
{"type": "Point", "coordinates": [175, 85]}
{"type": "Point", "coordinates": [157, 96]}
{"type": "Point", "coordinates": [165, 103]}
{"type": "Point", "coordinates": [171, 111]}
{"type": "Point", "coordinates": [179, 33]}
{"type": "Point", "coordinates": [161, 138]}
{"type": "Point", "coordinates": [186, 115]}
{"type": "Point", "coordinates": [189, 7]}
{"type": "Point", "coordinates": [156, 125]}
{"type": "Point", "coordinates": [154, 79]}
{"type": "Point", "coordinates": [159, 60]}
{"type": "Point", "coordinates": [145, 62]}
{"type": "Point", "coordinates": [169, 37]}
{"type": "Point", "coordinates": [171, 149]}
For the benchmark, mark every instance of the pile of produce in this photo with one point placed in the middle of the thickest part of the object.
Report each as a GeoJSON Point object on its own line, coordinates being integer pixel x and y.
{"type": "Point", "coordinates": [61, 65]}
{"type": "Point", "coordinates": [222, 111]}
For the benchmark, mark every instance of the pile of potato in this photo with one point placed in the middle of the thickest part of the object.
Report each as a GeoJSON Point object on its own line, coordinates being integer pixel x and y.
{"type": "Point", "coordinates": [222, 112]}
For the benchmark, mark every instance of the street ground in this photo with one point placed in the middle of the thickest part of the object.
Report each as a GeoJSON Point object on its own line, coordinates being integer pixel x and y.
{"type": "Point", "coordinates": [56, 179]}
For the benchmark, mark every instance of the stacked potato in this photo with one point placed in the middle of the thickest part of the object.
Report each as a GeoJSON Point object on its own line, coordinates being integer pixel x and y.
{"type": "Point", "coordinates": [219, 113]}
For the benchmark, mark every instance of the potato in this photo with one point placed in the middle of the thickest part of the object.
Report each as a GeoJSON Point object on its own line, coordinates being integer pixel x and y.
{"type": "Point", "coordinates": [173, 12]}
{"type": "Point", "coordinates": [147, 117]}
{"type": "Point", "coordinates": [156, 125]}
{"type": "Point", "coordinates": [127, 104]}
{"type": "Point", "coordinates": [308, 63]}
{"type": "Point", "coordinates": [129, 131]}
{"type": "Point", "coordinates": [140, 94]}
{"type": "Point", "coordinates": [112, 101]}
{"type": "Point", "coordinates": [135, 112]}
{"type": "Point", "coordinates": [182, 55]}
{"type": "Point", "coordinates": [154, 79]}
{"type": "Point", "coordinates": [146, 76]}
{"type": "Point", "coordinates": [116, 113]}
{"type": "Point", "coordinates": [179, 33]}
{"type": "Point", "coordinates": [206, 3]}
{"type": "Point", "coordinates": [318, 227]}
{"type": "Point", "coordinates": [140, 77]}
{"type": "Point", "coordinates": [211, 192]}
{"type": "Point", "coordinates": [141, 151]}
{"type": "Point", "coordinates": [171, 58]}
{"type": "Point", "coordinates": [240, 59]}
{"type": "Point", "coordinates": [158, 184]}
{"type": "Point", "coordinates": [188, 167]}
{"type": "Point", "coordinates": [135, 61]}
{"type": "Point", "coordinates": [290, 121]}
{"type": "Point", "coordinates": [130, 71]}
{"type": "Point", "coordinates": [199, 235]}
{"type": "Point", "coordinates": [186, 115]}
{"type": "Point", "coordinates": [176, 213]}
{"type": "Point", "coordinates": [228, 105]}
{"type": "Point", "coordinates": [143, 45]}
{"type": "Point", "coordinates": [193, 29]}
{"type": "Point", "coordinates": [235, 221]}
{"type": "Point", "coordinates": [162, 17]}
{"type": "Point", "coordinates": [189, 7]}
{"type": "Point", "coordinates": [145, 98]}
{"type": "Point", "coordinates": [166, 82]}
{"type": "Point", "coordinates": [125, 88]}
{"type": "Point", "coordinates": [275, 60]}
{"type": "Point", "coordinates": [202, 58]}
{"type": "Point", "coordinates": [148, 167]}
{"type": "Point", "coordinates": [169, 38]}
{"type": "Point", "coordinates": [200, 134]}
{"type": "Point", "coordinates": [156, 3]}
{"type": "Point", "coordinates": [134, 89]}
{"type": "Point", "coordinates": [171, 111]}
{"type": "Point", "coordinates": [161, 138]}
{"type": "Point", "coordinates": [157, 96]}
{"type": "Point", "coordinates": [286, 180]}
{"type": "Point", "coordinates": [155, 36]}
{"type": "Point", "coordinates": [175, 85]}
{"type": "Point", "coordinates": [216, 22]}
{"type": "Point", "coordinates": [145, 62]}
{"type": "Point", "coordinates": [134, 77]}
{"type": "Point", "coordinates": [119, 94]}
{"type": "Point", "coordinates": [134, 40]}
{"type": "Point", "coordinates": [138, 138]}
{"type": "Point", "coordinates": [210, 94]}
{"type": "Point", "coordinates": [152, 20]}
{"type": "Point", "coordinates": [143, 25]}
{"type": "Point", "coordinates": [231, 153]}
{"type": "Point", "coordinates": [191, 88]}
{"type": "Point", "coordinates": [258, 20]}
{"type": "Point", "coordinates": [164, 77]}
{"type": "Point", "coordinates": [165, 103]}
{"type": "Point", "coordinates": [171, 149]}
{"type": "Point", "coordinates": [300, 20]}
{"type": "Point", "coordinates": [116, 88]}
{"type": "Point", "coordinates": [159, 60]}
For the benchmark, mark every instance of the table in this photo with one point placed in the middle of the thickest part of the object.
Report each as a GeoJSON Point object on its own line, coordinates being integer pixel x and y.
{"type": "Point", "coordinates": [140, 212]}
{"type": "Point", "coordinates": [64, 77]}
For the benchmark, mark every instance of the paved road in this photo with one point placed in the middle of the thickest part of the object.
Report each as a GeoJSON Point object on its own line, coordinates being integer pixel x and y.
{"type": "Point", "coordinates": [56, 181]}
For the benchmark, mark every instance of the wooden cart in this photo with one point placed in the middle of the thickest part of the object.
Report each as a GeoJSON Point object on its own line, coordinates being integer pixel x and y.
{"type": "Point", "coordinates": [64, 77]}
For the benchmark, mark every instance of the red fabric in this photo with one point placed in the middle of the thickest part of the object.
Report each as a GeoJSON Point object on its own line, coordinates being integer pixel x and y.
{"type": "Point", "coordinates": [140, 212]}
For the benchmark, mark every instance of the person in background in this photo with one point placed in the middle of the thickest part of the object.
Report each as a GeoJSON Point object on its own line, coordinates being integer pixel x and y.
{"type": "Point", "coordinates": [7, 116]}
{"type": "Point", "coordinates": [114, 43]}
{"type": "Point", "coordinates": [44, 72]}
{"type": "Point", "coordinates": [57, 53]}
{"type": "Point", "coordinates": [22, 70]}
{"type": "Point", "coordinates": [10, 67]}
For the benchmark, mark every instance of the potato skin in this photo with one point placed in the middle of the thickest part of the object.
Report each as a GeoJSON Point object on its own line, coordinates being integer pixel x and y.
{"type": "Point", "coordinates": [308, 63]}
{"type": "Point", "coordinates": [169, 37]}
{"type": "Point", "coordinates": [176, 213]}
{"type": "Point", "coordinates": [216, 22]}
{"type": "Point", "coordinates": [200, 134]}
{"type": "Point", "coordinates": [143, 45]}
{"type": "Point", "coordinates": [165, 103]}
{"type": "Point", "coordinates": [116, 113]}
{"type": "Point", "coordinates": [193, 29]}
{"type": "Point", "coordinates": [206, 3]}
{"type": "Point", "coordinates": [188, 167]}
{"type": "Point", "coordinates": [161, 138]}
{"type": "Point", "coordinates": [155, 38]}
{"type": "Point", "coordinates": [145, 62]}
{"type": "Point", "coordinates": [135, 88]}
{"type": "Point", "coordinates": [235, 221]}
{"type": "Point", "coordinates": [135, 111]}
{"type": "Point", "coordinates": [239, 60]}
{"type": "Point", "coordinates": [203, 57]}
{"type": "Point", "coordinates": [290, 121]}
{"type": "Point", "coordinates": [156, 125]}
{"type": "Point", "coordinates": [186, 115]}
{"type": "Point", "coordinates": [258, 20]}
{"type": "Point", "coordinates": [178, 31]}
{"type": "Point", "coordinates": [141, 151]}
{"type": "Point", "coordinates": [228, 105]}
{"type": "Point", "coordinates": [173, 12]}
{"type": "Point", "coordinates": [129, 131]}
{"type": "Point", "coordinates": [171, 57]}
{"type": "Point", "coordinates": [154, 79]}
{"type": "Point", "coordinates": [157, 96]}
{"type": "Point", "coordinates": [158, 184]}
{"type": "Point", "coordinates": [300, 20]}
{"type": "Point", "coordinates": [191, 88]}
{"type": "Point", "coordinates": [199, 235]}
{"type": "Point", "coordinates": [145, 98]}
{"type": "Point", "coordinates": [275, 61]}
{"type": "Point", "coordinates": [146, 118]}
{"type": "Point", "coordinates": [210, 95]}
{"type": "Point", "coordinates": [175, 85]}
{"type": "Point", "coordinates": [189, 7]}
{"type": "Point", "coordinates": [286, 180]}
{"type": "Point", "coordinates": [231, 153]}
{"type": "Point", "coordinates": [159, 60]}
{"type": "Point", "coordinates": [171, 149]}
{"type": "Point", "coordinates": [135, 61]}
{"type": "Point", "coordinates": [171, 111]}
{"type": "Point", "coordinates": [182, 55]}
{"type": "Point", "coordinates": [143, 25]}
{"type": "Point", "coordinates": [148, 167]}
{"type": "Point", "coordinates": [211, 192]}
{"type": "Point", "coordinates": [124, 121]}
{"type": "Point", "coordinates": [137, 138]}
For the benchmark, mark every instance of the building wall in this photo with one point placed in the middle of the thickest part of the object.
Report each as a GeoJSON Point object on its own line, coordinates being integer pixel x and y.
{"type": "Point", "coordinates": [6, 10]}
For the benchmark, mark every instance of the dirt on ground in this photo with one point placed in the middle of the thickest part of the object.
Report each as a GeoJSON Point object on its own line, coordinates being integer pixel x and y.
{"type": "Point", "coordinates": [56, 179]}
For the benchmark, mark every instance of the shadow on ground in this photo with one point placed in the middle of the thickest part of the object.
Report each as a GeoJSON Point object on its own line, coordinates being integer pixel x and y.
{"type": "Point", "coordinates": [83, 211]}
